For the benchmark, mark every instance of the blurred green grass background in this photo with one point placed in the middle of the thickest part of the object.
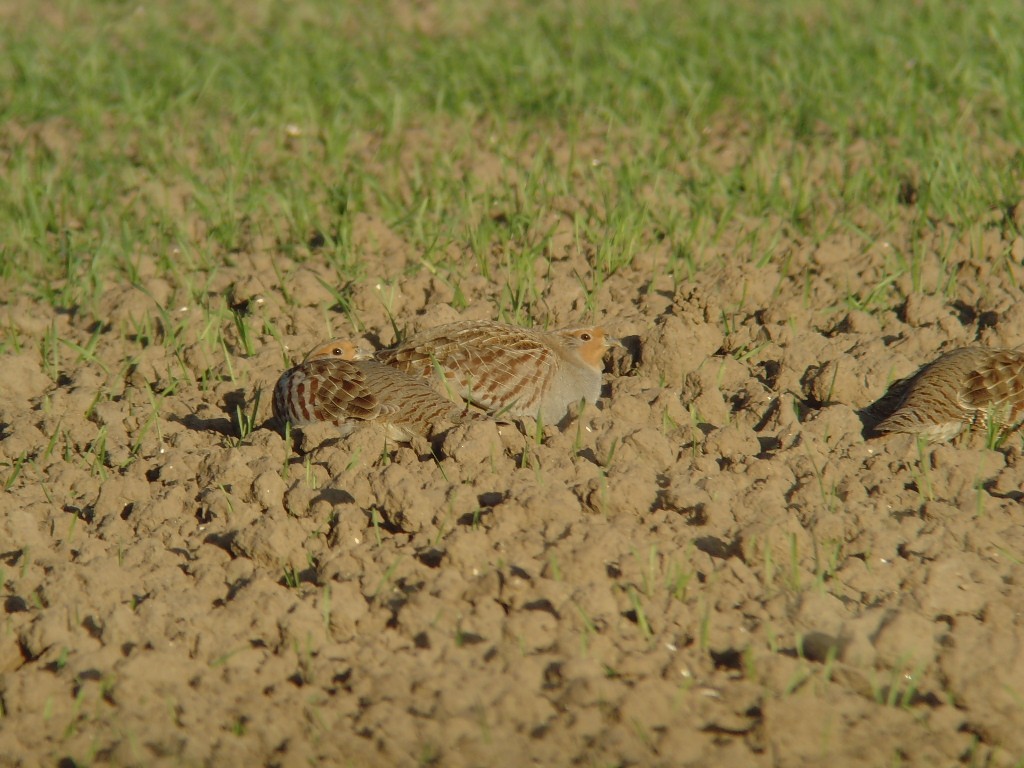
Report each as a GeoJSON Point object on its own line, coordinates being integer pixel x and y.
{"type": "Point", "coordinates": [185, 132]}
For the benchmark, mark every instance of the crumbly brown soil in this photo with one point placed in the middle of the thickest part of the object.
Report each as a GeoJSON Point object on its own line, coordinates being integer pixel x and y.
{"type": "Point", "coordinates": [712, 567]}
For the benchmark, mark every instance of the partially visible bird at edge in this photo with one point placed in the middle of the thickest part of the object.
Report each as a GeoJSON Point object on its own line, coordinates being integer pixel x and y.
{"type": "Point", "coordinates": [968, 387]}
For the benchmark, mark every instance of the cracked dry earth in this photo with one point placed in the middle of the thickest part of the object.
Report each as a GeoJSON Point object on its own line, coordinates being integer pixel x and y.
{"type": "Point", "coordinates": [711, 567]}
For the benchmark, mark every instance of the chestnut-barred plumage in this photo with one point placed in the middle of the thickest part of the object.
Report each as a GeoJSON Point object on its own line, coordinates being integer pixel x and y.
{"type": "Point", "coordinates": [508, 370]}
{"type": "Point", "coordinates": [965, 387]}
{"type": "Point", "coordinates": [331, 386]}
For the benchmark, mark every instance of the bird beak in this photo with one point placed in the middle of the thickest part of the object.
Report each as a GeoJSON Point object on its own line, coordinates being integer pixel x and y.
{"type": "Point", "coordinates": [611, 341]}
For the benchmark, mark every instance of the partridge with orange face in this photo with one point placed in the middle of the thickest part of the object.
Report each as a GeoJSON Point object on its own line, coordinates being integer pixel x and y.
{"type": "Point", "coordinates": [961, 388]}
{"type": "Point", "coordinates": [331, 385]}
{"type": "Point", "coordinates": [508, 370]}
{"type": "Point", "coordinates": [339, 348]}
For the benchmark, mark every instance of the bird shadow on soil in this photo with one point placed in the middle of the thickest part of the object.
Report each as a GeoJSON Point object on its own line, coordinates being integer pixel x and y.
{"type": "Point", "coordinates": [224, 427]}
{"type": "Point", "coordinates": [334, 496]}
{"type": "Point", "coordinates": [875, 413]}
{"type": "Point", "coordinates": [990, 488]}
{"type": "Point", "coordinates": [870, 419]}
{"type": "Point", "coordinates": [234, 402]}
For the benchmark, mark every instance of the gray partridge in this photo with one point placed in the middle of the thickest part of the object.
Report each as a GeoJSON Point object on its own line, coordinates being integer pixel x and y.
{"type": "Point", "coordinates": [508, 370]}
{"type": "Point", "coordinates": [961, 388]}
{"type": "Point", "coordinates": [331, 386]}
{"type": "Point", "coordinates": [340, 348]}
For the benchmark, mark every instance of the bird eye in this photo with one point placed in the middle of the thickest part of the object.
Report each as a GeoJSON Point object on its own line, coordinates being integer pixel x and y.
{"type": "Point", "coordinates": [338, 351]}
{"type": "Point", "coordinates": [585, 336]}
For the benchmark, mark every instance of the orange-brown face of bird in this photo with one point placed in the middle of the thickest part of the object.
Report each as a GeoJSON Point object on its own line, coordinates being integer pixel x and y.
{"type": "Point", "coordinates": [590, 344]}
{"type": "Point", "coordinates": [340, 349]}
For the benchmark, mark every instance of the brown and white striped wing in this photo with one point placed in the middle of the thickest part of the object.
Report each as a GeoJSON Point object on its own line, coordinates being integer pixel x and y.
{"type": "Point", "coordinates": [417, 354]}
{"type": "Point", "coordinates": [960, 388]}
{"type": "Point", "coordinates": [326, 390]}
{"type": "Point", "coordinates": [996, 386]}
{"type": "Point", "coordinates": [929, 401]}
{"type": "Point", "coordinates": [407, 400]}
{"type": "Point", "coordinates": [498, 368]}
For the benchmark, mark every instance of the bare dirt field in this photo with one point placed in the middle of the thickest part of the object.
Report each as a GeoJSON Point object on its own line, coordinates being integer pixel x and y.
{"type": "Point", "coordinates": [711, 567]}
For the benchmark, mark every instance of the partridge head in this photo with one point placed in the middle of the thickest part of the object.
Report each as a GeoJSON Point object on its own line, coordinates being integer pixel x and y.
{"type": "Point", "coordinates": [340, 349]}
